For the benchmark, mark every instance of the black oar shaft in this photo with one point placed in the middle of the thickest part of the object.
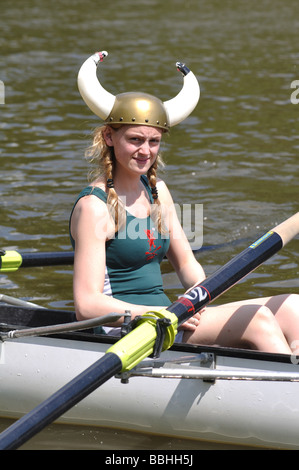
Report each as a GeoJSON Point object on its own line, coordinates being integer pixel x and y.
{"type": "Point", "coordinates": [60, 402]}
{"type": "Point", "coordinates": [54, 258]}
{"type": "Point", "coordinates": [226, 277]}
{"type": "Point", "coordinates": [13, 260]}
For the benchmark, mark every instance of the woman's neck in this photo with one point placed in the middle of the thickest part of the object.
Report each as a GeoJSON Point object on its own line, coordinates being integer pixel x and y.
{"type": "Point", "coordinates": [134, 196]}
{"type": "Point", "coordinates": [125, 185]}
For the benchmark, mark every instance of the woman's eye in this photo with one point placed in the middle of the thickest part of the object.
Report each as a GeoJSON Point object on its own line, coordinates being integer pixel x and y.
{"type": "Point", "coordinates": [138, 140]}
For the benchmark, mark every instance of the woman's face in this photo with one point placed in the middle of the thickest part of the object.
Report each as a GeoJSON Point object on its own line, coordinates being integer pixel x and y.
{"type": "Point", "coordinates": [135, 147]}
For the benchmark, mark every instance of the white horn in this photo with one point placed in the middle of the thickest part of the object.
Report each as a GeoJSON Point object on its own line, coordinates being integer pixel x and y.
{"type": "Point", "coordinates": [99, 100]}
{"type": "Point", "coordinates": [179, 107]}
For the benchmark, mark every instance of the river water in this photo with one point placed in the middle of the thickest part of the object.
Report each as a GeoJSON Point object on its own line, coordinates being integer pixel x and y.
{"type": "Point", "coordinates": [236, 155]}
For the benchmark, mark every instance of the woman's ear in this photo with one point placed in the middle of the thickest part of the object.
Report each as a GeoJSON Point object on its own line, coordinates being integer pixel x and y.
{"type": "Point", "coordinates": [107, 134]}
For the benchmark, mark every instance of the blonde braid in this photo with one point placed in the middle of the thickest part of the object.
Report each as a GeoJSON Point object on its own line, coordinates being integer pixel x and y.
{"type": "Point", "coordinates": [115, 206]}
{"type": "Point", "coordinates": [156, 209]}
{"type": "Point", "coordinates": [102, 158]}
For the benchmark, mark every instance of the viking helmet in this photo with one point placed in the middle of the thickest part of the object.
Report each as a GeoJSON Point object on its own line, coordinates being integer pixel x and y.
{"type": "Point", "coordinates": [135, 107]}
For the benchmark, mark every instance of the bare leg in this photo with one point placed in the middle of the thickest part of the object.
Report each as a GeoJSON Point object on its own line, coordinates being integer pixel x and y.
{"type": "Point", "coordinates": [286, 311]}
{"type": "Point", "coordinates": [242, 324]}
{"type": "Point", "coordinates": [285, 307]}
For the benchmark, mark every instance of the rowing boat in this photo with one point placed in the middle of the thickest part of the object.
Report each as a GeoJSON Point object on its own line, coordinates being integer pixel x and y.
{"type": "Point", "coordinates": [214, 394]}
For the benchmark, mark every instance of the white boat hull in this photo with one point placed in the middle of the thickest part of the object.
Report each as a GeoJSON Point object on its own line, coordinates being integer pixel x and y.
{"type": "Point", "coordinates": [240, 411]}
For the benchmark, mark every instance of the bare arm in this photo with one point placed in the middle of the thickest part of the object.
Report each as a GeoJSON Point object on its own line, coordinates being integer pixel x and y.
{"type": "Point", "coordinates": [90, 227]}
{"type": "Point", "coordinates": [180, 254]}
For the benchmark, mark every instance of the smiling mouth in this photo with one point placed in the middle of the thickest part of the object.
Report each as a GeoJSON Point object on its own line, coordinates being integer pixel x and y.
{"type": "Point", "coordinates": [142, 160]}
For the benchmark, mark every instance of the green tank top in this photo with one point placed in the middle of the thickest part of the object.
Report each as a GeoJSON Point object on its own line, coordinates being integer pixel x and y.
{"type": "Point", "coordinates": [133, 258]}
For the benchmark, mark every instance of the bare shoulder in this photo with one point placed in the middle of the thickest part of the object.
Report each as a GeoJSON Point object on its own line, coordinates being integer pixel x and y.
{"type": "Point", "coordinates": [164, 193]}
{"type": "Point", "coordinates": [91, 205]}
{"type": "Point", "coordinates": [91, 215]}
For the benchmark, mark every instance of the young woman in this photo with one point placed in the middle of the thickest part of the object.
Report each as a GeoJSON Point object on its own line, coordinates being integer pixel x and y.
{"type": "Point", "coordinates": [124, 223]}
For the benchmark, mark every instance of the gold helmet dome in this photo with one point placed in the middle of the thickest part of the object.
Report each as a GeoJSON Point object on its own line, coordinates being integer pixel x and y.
{"type": "Point", "coordinates": [136, 107]}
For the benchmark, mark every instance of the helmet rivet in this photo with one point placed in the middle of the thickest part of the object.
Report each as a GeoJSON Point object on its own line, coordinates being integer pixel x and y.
{"type": "Point", "coordinates": [133, 119]}
{"type": "Point", "coordinates": [121, 119]}
{"type": "Point", "coordinates": [146, 120]}
{"type": "Point", "coordinates": [111, 119]}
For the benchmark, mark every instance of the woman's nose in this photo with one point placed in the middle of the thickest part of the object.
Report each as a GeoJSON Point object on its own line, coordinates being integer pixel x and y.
{"type": "Point", "coordinates": [144, 148]}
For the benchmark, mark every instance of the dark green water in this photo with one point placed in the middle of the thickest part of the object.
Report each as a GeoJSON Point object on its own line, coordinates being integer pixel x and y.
{"type": "Point", "coordinates": [237, 154]}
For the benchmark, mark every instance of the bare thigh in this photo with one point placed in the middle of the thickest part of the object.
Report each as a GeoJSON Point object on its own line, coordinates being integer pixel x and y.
{"type": "Point", "coordinates": [222, 325]}
{"type": "Point", "coordinates": [285, 308]}
{"type": "Point", "coordinates": [236, 324]}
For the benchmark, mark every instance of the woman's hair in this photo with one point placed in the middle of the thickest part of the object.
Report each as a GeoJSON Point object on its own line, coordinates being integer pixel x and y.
{"type": "Point", "coordinates": [102, 159]}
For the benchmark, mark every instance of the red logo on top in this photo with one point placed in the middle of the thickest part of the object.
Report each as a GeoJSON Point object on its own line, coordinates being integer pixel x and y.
{"type": "Point", "coordinates": [152, 247]}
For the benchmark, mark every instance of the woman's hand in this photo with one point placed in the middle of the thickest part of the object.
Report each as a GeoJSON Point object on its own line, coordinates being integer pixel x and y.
{"type": "Point", "coordinates": [192, 323]}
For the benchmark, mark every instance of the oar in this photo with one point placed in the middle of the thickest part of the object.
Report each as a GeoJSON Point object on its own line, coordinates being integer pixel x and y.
{"type": "Point", "coordinates": [12, 260]}
{"type": "Point", "coordinates": [141, 341]}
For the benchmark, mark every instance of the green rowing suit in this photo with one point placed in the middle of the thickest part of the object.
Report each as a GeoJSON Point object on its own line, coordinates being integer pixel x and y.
{"type": "Point", "coordinates": [133, 258]}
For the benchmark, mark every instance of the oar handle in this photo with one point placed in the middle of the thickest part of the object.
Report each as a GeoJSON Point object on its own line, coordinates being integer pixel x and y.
{"type": "Point", "coordinates": [288, 229]}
